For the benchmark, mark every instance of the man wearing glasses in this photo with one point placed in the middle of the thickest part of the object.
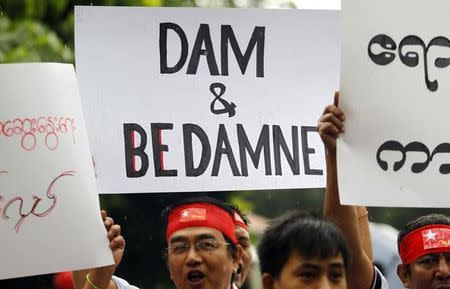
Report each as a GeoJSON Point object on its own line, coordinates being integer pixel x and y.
{"type": "Point", "coordinates": [201, 248]}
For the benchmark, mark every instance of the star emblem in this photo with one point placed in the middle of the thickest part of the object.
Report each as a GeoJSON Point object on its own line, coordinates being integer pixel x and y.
{"type": "Point", "coordinates": [430, 235]}
{"type": "Point", "coordinates": [185, 214]}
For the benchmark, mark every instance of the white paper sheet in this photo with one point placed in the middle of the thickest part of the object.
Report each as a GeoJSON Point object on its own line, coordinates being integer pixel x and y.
{"type": "Point", "coordinates": [49, 210]}
{"type": "Point", "coordinates": [395, 92]}
{"type": "Point", "coordinates": [127, 77]}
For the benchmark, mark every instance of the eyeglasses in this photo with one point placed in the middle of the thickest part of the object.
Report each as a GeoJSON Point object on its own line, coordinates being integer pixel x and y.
{"type": "Point", "coordinates": [209, 245]}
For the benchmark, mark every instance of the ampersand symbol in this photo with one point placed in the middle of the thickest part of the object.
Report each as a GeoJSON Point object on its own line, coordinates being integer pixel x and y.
{"type": "Point", "coordinates": [227, 107]}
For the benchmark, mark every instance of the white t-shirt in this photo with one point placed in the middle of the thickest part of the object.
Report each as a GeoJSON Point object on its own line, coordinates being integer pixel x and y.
{"type": "Point", "coordinates": [123, 284]}
{"type": "Point", "coordinates": [379, 282]}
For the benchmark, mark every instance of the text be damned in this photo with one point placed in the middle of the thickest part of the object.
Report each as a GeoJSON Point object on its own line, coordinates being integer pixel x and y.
{"type": "Point", "coordinates": [270, 145]}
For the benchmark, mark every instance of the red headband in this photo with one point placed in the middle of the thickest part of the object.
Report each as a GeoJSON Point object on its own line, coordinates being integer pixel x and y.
{"type": "Point", "coordinates": [425, 240]}
{"type": "Point", "coordinates": [238, 221]}
{"type": "Point", "coordinates": [200, 215]}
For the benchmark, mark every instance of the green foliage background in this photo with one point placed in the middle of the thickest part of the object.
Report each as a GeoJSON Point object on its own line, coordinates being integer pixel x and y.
{"type": "Point", "coordinates": [43, 31]}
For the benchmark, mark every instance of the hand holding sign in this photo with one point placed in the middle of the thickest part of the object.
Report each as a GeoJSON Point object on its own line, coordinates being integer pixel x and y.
{"type": "Point", "coordinates": [331, 124]}
{"type": "Point", "coordinates": [101, 276]}
{"type": "Point", "coordinates": [117, 242]}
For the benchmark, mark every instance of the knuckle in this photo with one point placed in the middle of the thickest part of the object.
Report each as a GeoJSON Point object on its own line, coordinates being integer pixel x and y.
{"type": "Point", "coordinates": [116, 229]}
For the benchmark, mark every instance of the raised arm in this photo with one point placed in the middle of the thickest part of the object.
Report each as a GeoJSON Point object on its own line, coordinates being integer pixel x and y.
{"type": "Point", "coordinates": [361, 271]}
{"type": "Point", "coordinates": [101, 277]}
{"type": "Point", "coordinates": [364, 232]}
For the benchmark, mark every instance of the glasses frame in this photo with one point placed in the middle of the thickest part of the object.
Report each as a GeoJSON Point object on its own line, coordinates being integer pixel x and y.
{"type": "Point", "coordinates": [199, 246]}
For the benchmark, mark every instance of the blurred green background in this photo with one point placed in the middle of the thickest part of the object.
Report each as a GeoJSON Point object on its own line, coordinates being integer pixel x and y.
{"type": "Point", "coordinates": [43, 31]}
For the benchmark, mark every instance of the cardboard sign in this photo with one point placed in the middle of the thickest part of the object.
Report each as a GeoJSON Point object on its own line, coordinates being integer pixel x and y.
{"type": "Point", "coordinates": [48, 202]}
{"type": "Point", "coordinates": [395, 92]}
{"type": "Point", "coordinates": [205, 99]}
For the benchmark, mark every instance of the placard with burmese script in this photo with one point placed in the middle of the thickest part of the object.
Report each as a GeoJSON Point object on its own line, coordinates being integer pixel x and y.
{"type": "Point", "coordinates": [395, 92]}
{"type": "Point", "coordinates": [50, 216]}
{"type": "Point", "coordinates": [187, 99]}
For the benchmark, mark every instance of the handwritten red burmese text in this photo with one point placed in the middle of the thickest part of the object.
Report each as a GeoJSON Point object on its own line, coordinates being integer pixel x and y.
{"type": "Point", "coordinates": [7, 209]}
{"type": "Point", "coordinates": [49, 127]}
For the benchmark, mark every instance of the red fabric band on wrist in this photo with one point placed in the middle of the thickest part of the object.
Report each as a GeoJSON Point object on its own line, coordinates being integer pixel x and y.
{"type": "Point", "coordinates": [200, 215]}
{"type": "Point", "coordinates": [425, 240]}
{"type": "Point", "coordinates": [238, 221]}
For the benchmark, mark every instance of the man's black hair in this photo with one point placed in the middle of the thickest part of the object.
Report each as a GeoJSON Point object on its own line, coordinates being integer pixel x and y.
{"type": "Point", "coordinates": [302, 232]}
{"type": "Point", "coordinates": [201, 199]}
{"type": "Point", "coordinates": [241, 214]}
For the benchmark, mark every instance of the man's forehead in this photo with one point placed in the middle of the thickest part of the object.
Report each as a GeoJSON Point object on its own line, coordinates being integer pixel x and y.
{"type": "Point", "coordinates": [196, 233]}
{"type": "Point", "coordinates": [336, 260]}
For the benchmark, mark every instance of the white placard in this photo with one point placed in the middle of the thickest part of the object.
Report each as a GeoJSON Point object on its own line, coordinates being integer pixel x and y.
{"type": "Point", "coordinates": [154, 81]}
{"type": "Point", "coordinates": [395, 92]}
{"type": "Point", "coordinates": [50, 216]}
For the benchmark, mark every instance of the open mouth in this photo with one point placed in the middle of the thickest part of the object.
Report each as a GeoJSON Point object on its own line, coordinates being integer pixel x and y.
{"type": "Point", "coordinates": [195, 276]}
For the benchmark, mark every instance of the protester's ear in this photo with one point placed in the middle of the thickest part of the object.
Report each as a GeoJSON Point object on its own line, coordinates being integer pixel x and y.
{"type": "Point", "coordinates": [237, 257]}
{"type": "Point", "coordinates": [267, 281]}
{"type": "Point", "coordinates": [403, 274]}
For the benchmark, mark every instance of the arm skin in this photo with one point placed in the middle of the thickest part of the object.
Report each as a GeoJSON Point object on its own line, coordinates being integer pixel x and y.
{"type": "Point", "coordinates": [361, 271]}
{"type": "Point", "coordinates": [364, 232]}
{"type": "Point", "coordinates": [102, 276]}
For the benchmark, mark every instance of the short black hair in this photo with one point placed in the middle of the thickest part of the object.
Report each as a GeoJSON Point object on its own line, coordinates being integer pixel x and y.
{"type": "Point", "coordinates": [201, 199]}
{"type": "Point", "coordinates": [422, 221]}
{"type": "Point", "coordinates": [241, 214]}
{"type": "Point", "coordinates": [301, 231]}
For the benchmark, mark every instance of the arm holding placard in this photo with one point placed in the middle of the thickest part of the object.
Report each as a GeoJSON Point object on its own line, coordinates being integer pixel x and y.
{"type": "Point", "coordinates": [101, 277]}
{"type": "Point", "coordinates": [364, 232]}
{"type": "Point", "coordinates": [361, 271]}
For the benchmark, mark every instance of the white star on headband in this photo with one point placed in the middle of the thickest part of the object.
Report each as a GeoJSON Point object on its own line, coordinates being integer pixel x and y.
{"type": "Point", "coordinates": [430, 235]}
{"type": "Point", "coordinates": [185, 214]}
